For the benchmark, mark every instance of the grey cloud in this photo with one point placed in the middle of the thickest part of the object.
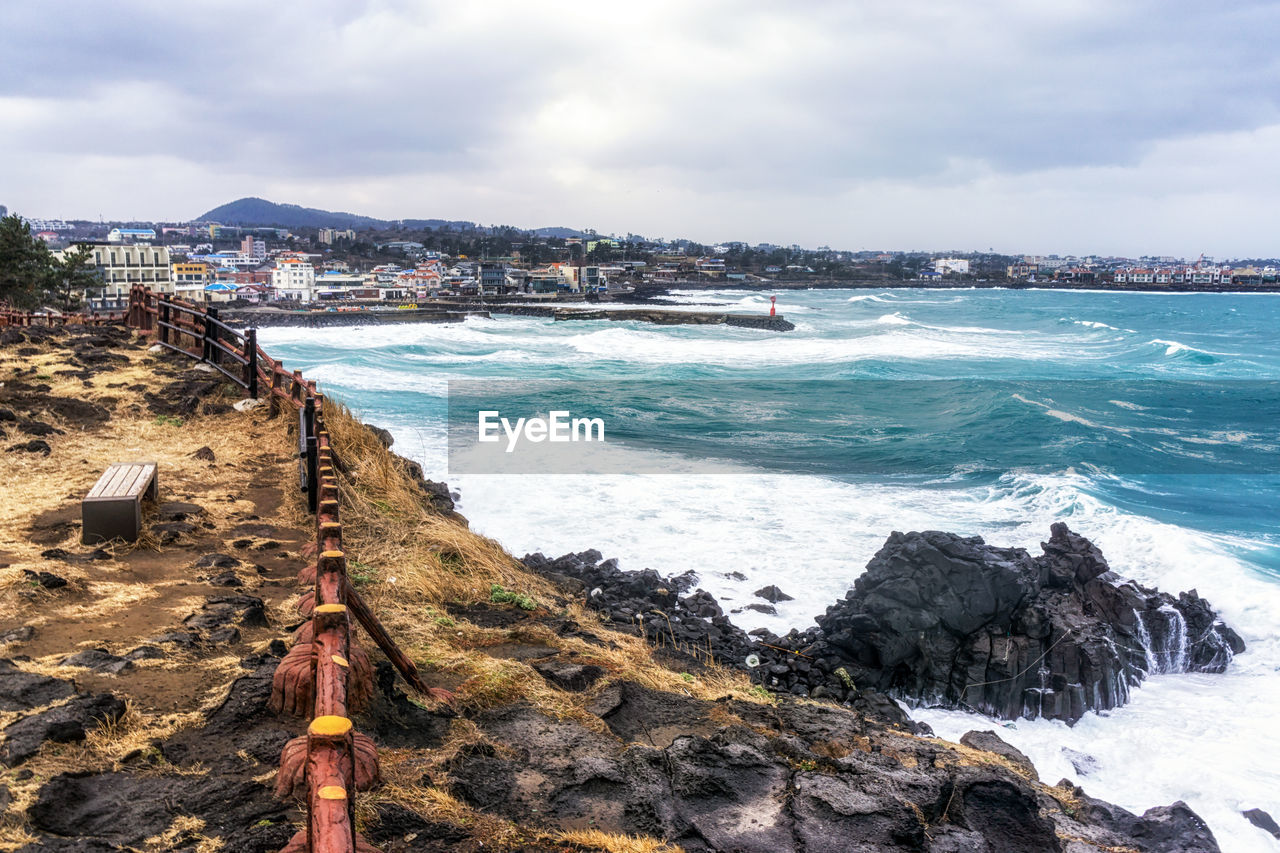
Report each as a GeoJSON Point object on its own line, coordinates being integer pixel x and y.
{"type": "Point", "coordinates": [577, 108]}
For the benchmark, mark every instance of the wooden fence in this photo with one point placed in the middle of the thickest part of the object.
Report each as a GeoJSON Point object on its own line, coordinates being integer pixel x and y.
{"type": "Point", "coordinates": [326, 676]}
{"type": "Point", "coordinates": [9, 317]}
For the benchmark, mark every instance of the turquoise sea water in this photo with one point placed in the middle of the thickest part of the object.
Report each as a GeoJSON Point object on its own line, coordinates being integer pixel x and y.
{"type": "Point", "coordinates": [1191, 378]}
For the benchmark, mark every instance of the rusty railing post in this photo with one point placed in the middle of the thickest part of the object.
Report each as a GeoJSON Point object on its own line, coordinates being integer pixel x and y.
{"type": "Point", "coordinates": [251, 359]}
{"type": "Point", "coordinates": [209, 339]}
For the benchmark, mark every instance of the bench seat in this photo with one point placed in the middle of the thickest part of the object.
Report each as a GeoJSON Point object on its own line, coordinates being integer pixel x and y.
{"type": "Point", "coordinates": [113, 507]}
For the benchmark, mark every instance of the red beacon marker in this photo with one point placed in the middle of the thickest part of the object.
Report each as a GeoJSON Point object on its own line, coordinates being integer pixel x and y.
{"type": "Point", "coordinates": [773, 306]}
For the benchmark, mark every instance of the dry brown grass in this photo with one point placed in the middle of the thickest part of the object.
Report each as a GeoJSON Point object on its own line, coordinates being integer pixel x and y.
{"type": "Point", "coordinates": [436, 559]}
{"type": "Point", "coordinates": [418, 560]}
{"type": "Point", "coordinates": [594, 839]}
{"type": "Point", "coordinates": [185, 830]}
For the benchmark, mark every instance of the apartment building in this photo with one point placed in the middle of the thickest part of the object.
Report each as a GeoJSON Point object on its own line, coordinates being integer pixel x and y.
{"type": "Point", "coordinates": [121, 266]}
{"type": "Point", "coordinates": [254, 248]}
{"type": "Point", "coordinates": [190, 280]}
{"type": "Point", "coordinates": [293, 278]}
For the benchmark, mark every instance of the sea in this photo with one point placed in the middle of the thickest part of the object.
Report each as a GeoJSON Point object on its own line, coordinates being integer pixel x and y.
{"type": "Point", "coordinates": [1145, 421]}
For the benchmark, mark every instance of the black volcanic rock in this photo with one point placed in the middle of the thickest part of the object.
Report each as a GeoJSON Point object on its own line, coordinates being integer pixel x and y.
{"type": "Point", "coordinates": [942, 620]}
{"type": "Point", "coordinates": [772, 594]}
{"type": "Point", "coordinates": [715, 777]}
{"type": "Point", "coordinates": [939, 619]}
{"type": "Point", "coordinates": [21, 691]}
{"type": "Point", "coordinates": [990, 742]}
{"type": "Point", "coordinates": [1263, 821]}
{"type": "Point", "coordinates": [63, 724]}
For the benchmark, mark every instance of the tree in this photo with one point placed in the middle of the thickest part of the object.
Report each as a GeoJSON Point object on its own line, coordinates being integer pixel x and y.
{"type": "Point", "coordinates": [75, 274]}
{"type": "Point", "coordinates": [26, 266]}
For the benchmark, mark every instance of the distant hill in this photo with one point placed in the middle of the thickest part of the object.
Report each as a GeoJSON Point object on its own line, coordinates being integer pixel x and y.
{"type": "Point", "coordinates": [259, 211]}
{"type": "Point", "coordinates": [451, 224]}
{"type": "Point", "coordinates": [559, 231]}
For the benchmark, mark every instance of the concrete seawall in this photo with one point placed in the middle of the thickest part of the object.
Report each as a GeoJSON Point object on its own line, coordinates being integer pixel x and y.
{"type": "Point", "coordinates": [657, 316]}
{"type": "Point", "coordinates": [457, 312]}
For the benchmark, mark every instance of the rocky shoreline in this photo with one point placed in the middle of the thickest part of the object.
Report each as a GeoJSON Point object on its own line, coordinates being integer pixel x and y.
{"type": "Point", "coordinates": [941, 620]}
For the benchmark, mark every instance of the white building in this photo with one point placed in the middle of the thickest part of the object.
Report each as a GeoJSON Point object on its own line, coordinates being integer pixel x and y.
{"type": "Point", "coordinates": [130, 235]}
{"type": "Point", "coordinates": [293, 278]}
{"type": "Point", "coordinates": [120, 267]}
{"type": "Point", "coordinates": [123, 266]}
{"type": "Point", "coordinates": [952, 266]}
{"type": "Point", "coordinates": [337, 285]}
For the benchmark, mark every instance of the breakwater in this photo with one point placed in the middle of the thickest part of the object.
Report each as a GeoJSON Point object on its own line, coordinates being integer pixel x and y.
{"type": "Point", "coordinates": [657, 316]}
{"type": "Point", "coordinates": [456, 312]}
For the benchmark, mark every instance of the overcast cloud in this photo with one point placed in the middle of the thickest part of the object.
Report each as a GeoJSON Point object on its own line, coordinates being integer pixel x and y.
{"type": "Point", "coordinates": [1074, 126]}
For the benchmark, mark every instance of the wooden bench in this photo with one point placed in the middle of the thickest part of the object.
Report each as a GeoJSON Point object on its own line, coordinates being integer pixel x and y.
{"type": "Point", "coordinates": [113, 507]}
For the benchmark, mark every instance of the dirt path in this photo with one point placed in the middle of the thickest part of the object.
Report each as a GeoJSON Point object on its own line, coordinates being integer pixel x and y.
{"type": "Point", "coordinates": [162, 625]}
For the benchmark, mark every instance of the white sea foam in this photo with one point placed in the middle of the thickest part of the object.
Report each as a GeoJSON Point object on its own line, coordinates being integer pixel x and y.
{"type": "Point", "coordinates": [747, 349]}
{"type": "Point", "coordinates": [1176, 347]}
{"type": "Point", "coordinates": [812, 537]}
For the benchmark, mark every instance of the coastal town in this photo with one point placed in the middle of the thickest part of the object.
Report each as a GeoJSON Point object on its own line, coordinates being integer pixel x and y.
{"type": "Point", "coordinates": [393, 264]}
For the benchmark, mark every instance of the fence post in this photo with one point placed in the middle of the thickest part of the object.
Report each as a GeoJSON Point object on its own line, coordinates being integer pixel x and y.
{"type": "Point", "coordinates": [277, 384]}
{"type": "Point", "coordinates": [163, 320]}
{"type": "Point", "coordinates": [210, 339]}
{"type": "Point", "coordinates": [308, 450]}
{"type": "Point", "coordinates": [313, 461]}
{"type": "Point", "coordinates": [251, 356]}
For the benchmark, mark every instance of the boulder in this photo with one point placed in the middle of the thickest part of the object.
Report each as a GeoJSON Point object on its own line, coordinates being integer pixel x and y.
{"type": "Point", "coordinates": [48, 580]}
{"type": "Point", "coordinates": [772, 594]}
{"type": "Point", "coordinates": [938, 620]}
{"type": "Point", "coordinates": [34, 446]}
{"type": "Point", "coordinates": [1263, 821]}
{"type": "Point", "coordinates": [98, 660]}
{"type": "Point", "coordinates": [1083, 763]}
{"type": "Point", "coordinates": [569, 676]}
{"type": "Point", "coordinates": [989, 741]}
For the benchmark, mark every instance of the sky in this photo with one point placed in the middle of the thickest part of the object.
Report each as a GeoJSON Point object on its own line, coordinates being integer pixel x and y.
{"type": "Point", "coordinates": [1111, 127]}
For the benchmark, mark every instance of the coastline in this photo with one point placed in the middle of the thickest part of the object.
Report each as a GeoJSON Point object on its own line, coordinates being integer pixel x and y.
{"type": "Point", "coordinates": [613, 736]}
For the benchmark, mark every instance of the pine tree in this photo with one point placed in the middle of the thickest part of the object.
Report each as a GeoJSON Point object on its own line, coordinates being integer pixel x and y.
{"type": "Point", "coordinates": [26, 265]}
{"type": "Point", "coordinates": [75, 274]}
